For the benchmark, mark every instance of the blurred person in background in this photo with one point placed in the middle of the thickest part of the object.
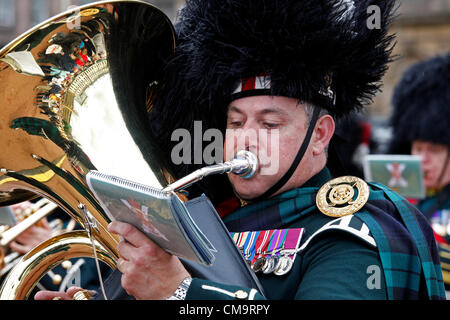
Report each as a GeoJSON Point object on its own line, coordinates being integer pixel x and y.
{"type": "Point", "coordinates": [420, 123]}
{"type": "Point", "coordinates": [77, 271]}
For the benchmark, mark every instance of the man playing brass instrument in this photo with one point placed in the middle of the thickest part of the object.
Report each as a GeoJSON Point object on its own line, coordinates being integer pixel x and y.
{"type": "Point", "coordinates": [287, 68]}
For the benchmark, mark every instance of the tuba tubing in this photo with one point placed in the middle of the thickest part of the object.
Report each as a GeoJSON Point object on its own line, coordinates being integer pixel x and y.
{"type": "Point", "coordinates": [51, 141]}
{"type": "Point", "coordinates": [21, 280]}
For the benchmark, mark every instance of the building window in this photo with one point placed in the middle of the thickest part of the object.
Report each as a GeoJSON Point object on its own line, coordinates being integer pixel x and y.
{"type": "Point", "coordinates": [82, 2]}
{"type": "Point", "coordinates": [7, 13]}
{"type": "Point", "coordinates": [40, 11]}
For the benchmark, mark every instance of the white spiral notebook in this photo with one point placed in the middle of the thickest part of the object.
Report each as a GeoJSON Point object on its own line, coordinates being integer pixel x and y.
{"type": "Point", "coordinates": [161, 215]}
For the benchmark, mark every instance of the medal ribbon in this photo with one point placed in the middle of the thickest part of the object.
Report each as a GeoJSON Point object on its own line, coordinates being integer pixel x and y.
{"type": "Point", "coordinates": [268, 242]}
{"type": "Point", "coordinates": [250, 245]}
{"type": "Point", "coordinates": [275, 242]}
{"type": "Point", "coordinates": [241, 239]}
{"type": "Point", "coordinates": [284, 234]}
{"type": "Point", "coordinates": [261, 243]}
{"type": "Point", "coordinates": [235, 236]}
{"type": "Point", "coordinates": [292, 242]}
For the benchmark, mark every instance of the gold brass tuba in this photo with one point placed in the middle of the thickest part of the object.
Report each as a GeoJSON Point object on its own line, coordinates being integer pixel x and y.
{"type": "Point", "coordinates": [59, 120]}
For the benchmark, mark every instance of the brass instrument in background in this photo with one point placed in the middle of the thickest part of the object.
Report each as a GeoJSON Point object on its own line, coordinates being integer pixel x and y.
{"type": "Point", "coordinates": [26, 218]}
{"type": "Point", "coordinates": [57, 122]}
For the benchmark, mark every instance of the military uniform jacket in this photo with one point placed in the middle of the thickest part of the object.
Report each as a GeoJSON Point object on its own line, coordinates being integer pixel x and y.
{"type": "Point", "coordinates": [386, 250]}
{"type": "Point", "coordinates": [436, 209]}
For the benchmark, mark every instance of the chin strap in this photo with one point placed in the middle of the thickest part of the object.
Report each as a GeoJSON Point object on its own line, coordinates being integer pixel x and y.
{"type": "Point", "coordinates": [295, 163]}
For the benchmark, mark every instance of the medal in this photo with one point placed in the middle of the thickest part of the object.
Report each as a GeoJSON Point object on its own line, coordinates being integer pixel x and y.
{"type": "Point", "coordinates": [272, 259]}
{"type": "Point", "coordinates": [276, 245]}
{"type": "Point", "coordinates": [271, 264]}
{"type": "Point", "coordinates": [342, 196]}
{"type": "Point", "coordinates": [289, 252]}
{"type": "Point", "coordinates": [239, 239]}
{"type": "Point", "coordinates": [277, 241]}
{"type": "Point", "coordinates": [258, 264]}
{"type": "Point", "coordinates": [281, 244]}
{"type": "Point", "coordinates": [284, 266]}
{"type": "Point", "coordinates": [249, 246]}
{"type": "Point", "coordinates": [261, 244]}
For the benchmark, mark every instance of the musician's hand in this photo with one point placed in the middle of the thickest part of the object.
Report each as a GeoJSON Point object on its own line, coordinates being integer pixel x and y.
{"type": "Point", "coordinates": [148, 272]}
{"type": "Point", "coordinates": [19, 207]}
{"type": "Point", "coordinates": [32, 237]}
{"type": "Point", "coordinates": [59, 295]}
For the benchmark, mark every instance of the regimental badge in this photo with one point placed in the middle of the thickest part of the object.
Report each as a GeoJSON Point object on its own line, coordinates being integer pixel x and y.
{"type": "Point", "coordinates": [89, 12]}
{"type": "Point", "coordinates": [342, 196]}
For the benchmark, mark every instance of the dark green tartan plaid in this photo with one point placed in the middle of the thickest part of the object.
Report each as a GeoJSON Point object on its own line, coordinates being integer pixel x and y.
{"type": "Point", "coordinates": [406, 245]}
{"type": "Point", "coordinates": [433, 208]}
{"type": "Point", "coordinates": [38, 127]}
{"type": "Point", "coordinates": [434, 203]}
{"type": "Point", "coordinates": [404, 238]}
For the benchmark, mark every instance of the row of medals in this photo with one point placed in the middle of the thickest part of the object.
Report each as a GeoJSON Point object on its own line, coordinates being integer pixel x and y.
{"type": "Point", "coordinates": [278, 265]}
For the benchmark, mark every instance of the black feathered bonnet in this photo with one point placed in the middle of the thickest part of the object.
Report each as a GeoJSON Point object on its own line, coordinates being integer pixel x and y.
{"type": "Point", "coordinates": [310, 48]}
{"type": "Point", "coordinates": [421, 105]}
{"type": "Point", "coordinates": [324, 52]}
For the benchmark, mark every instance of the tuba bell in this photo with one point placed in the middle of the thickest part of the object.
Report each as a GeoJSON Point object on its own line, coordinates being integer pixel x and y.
{"type": "Point", "coordinates": [75, 94]}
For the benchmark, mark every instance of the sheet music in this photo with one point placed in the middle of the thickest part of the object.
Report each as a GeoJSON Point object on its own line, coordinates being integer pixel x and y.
{"type": "Point", "coordinates": [25, 62]}
{"type": "Point", "coordinates": [160, 215]}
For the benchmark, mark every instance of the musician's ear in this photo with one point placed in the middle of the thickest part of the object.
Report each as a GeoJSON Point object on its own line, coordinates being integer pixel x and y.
{"type": "Point", "coordinates": [322, 134]}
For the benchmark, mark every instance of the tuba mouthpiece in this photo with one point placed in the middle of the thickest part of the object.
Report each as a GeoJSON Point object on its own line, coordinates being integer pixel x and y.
{"type": "Point", "coordinates": [245, 164]}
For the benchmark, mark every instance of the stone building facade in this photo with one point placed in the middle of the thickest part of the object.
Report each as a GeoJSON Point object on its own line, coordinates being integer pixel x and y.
{"type": "Point", "coordinates": [423, 31]}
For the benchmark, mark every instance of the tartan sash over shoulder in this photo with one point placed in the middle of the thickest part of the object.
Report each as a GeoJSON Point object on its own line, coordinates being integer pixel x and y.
{"type": "Point", "coordinates": [406, 245]}
{"type": "Point", "coordinates": [404, 238]}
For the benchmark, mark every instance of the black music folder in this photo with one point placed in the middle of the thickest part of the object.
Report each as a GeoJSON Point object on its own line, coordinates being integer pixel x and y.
{"type": "Point", "coordinates": [160, 215]}
{"type": "Point", "coordinates": [229, 266]}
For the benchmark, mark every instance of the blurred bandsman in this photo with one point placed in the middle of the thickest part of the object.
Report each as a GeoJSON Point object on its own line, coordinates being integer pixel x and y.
{"type": "Point", "coordinates": [79, 271]}
{"type": "Point", "coordinates": [420, 123]}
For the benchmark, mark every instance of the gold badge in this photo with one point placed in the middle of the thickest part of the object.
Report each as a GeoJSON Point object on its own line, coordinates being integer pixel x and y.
{"type": "Point", "coordinates": [342, 196]}
{"type": "Point", "coordinates": [89, 12]}
{"type": "Point", "coordinates": [241, 294]}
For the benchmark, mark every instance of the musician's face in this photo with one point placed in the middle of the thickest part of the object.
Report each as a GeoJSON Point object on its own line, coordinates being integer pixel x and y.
{"type": "Point", "coordinates": [434, 157]}
{"type": "Point", "coordinates": [273, 128]}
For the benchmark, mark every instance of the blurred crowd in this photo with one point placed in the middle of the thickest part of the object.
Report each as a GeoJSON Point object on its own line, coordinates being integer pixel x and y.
{"type": "Point", "coordinates": [66, 55]}
{"type": "Point", "coordinates": [419, 126]}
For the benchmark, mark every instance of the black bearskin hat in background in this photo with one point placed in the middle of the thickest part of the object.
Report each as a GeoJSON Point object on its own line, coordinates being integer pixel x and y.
{"type": "Point", "coordinates": [421, 105]}
{"type": "Point", "coordinates": [308, 47]}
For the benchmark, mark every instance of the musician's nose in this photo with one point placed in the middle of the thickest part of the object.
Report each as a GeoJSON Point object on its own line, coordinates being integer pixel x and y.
{"type": "Point", "coordinates": [243, 138]}
{"type": "Point", "coordinates": [248, 137]}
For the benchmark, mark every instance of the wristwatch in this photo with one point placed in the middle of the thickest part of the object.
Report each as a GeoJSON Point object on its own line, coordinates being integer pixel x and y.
{"type": "Point", "coordinates": [180, 293]}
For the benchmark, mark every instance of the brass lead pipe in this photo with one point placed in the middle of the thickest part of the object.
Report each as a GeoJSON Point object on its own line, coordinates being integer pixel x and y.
{"type": "Point", "coordinates": [243, 164]}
